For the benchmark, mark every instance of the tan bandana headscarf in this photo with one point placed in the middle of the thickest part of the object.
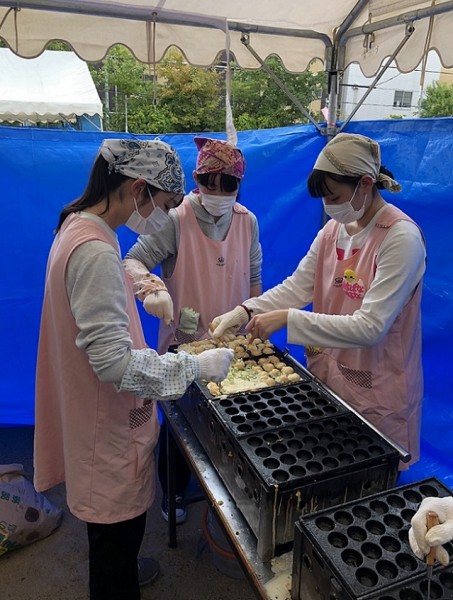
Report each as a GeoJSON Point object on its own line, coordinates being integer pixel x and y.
{"type": "Point", "coordinates": [354, 155]}
{"type": "Point", "coordinates": [154, 161]}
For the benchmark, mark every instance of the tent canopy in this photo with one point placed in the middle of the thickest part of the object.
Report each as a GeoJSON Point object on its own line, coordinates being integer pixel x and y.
{"type": "Point", "coordinates": [48, 88]}
{"type": "Point", "coordinates": [363, 31]}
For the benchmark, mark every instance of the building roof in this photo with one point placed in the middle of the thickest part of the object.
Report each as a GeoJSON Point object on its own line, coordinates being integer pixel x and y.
{"type": "Point", "coordinates": [52, 87]}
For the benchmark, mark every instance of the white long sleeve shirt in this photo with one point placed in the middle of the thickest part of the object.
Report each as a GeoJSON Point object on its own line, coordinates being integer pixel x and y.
{"type": "Point", "coordinates": [400, 265]}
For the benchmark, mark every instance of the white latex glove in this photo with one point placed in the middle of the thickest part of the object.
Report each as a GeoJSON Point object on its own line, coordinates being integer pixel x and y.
{"type": "Point", "coordinates": [215, 364]}
{"type": "Point", "coordinates": [160, 305]}
{"type": "Point", "coordinates": [227, 325]}
{"type": "Point", "coordinates": [422, 540]}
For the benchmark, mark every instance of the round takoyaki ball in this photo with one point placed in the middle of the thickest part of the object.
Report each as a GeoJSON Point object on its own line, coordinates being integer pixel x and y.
{"type": "Point", "coordinates": [213, 388]}
{"type": "Point", "coordinates": [294, 377]}
{"type": "Point", "coordinates": [234, 344]}
{"type": "Point", "coordinates": [255, 352]}
{"type": "Point", "coordinates": [268, 350]}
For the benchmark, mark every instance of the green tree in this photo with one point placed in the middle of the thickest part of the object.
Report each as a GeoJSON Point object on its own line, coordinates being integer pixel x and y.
{"type": "Point", "coordinates": [187, 98]}
{"type": "Point", "coordinates": [58, 45]}
{"type": "Point", "coordinates": [117, 77]}
{"type": "Point", "coordinates": [438, 100]}
{"type": "Point", "coordinates": [259, 103]}
{"type": "Point", "coordinates": [193, 98]}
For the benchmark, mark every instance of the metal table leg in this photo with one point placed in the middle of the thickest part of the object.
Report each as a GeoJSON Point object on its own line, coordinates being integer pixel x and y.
{"type": "Point", "coordinates": [171, 488]}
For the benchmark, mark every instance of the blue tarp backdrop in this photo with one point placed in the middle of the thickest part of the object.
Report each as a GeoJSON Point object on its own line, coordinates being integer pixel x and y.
{"type": "Point", "coordinates": [43, 169]}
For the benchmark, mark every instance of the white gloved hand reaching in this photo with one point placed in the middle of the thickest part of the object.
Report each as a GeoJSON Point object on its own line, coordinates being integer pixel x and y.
{"type": "Point", "coordinates": [215, 364]}
{"type": "Point", "coordinates": [421, 540]}
{"type": "Point", "coordinates": [150, 289]}
{"type": "Point", "coordinates": [160, 305]}
{"type": "Point", "coordinates": [227, 325]}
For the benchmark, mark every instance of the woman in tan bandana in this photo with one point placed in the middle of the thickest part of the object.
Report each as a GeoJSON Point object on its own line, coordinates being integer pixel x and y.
{"type": "Point", "coordinates": [211, 242]}
{"type": "Point", "coordinates": [363, 277]}
{"type": "Point", "coordinates": [97, 381]}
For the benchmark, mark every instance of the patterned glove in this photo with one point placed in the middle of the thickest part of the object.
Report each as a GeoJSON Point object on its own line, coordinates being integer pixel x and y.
{"type": "Point", "coordinates": [422, 540]}
{"type": "Point", "coordinates": [215, 364]}
{"type": "Point", "coordinates": [151, 290]}
{"type": "Point", "coordinates": [227, 325]}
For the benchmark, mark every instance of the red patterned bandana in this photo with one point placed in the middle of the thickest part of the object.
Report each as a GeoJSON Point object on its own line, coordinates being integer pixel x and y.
{"type": "Point", "coordinates": [217, 156]}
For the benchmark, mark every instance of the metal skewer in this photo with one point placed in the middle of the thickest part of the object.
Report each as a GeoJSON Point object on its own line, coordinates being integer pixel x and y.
{"type": "Point", "coordinates": [431, 520]}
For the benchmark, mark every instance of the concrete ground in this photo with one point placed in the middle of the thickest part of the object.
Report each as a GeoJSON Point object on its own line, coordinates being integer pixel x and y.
{"type": "Point", "coordinates": [56, 568]}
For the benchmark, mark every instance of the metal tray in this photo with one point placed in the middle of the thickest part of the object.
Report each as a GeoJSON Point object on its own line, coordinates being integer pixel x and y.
{"type": "Point", "coordinates": [360, 550]}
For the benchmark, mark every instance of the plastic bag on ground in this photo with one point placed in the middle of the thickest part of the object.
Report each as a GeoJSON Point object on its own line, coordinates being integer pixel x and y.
{"type": "Point", "coordinates": [25, 514]}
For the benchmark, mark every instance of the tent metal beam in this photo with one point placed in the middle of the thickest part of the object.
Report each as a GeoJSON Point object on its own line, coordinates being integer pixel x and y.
{"type": "Point", "coordinates": [173, 17]}
{"type": "Point", "coordinates": [409, 31]}
{"type": "Point", "coordinates": [409, 17]}
{"type": "Point", "coordinates": [151, 13]}
{"type": "Point", "coordinates": [343, 34]}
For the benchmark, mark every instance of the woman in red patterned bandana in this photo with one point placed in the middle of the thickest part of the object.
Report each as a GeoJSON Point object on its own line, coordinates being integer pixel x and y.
{"type": "Point", "coordinates": [363, 276]}
{"type": "Point", "coordinates": [210, 240]}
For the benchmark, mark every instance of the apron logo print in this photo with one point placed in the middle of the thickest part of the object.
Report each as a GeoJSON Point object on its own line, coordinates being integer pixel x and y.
{"type": "Point", "coordinates": [352, 285]}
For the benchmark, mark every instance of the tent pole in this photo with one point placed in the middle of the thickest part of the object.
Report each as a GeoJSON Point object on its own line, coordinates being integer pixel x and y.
{"type": "Point", "coordinates": [332, 108]}
{"type": "Point", "coordinates": [334, 66]}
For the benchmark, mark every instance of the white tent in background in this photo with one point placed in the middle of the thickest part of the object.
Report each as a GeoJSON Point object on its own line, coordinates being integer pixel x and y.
{"type": "Point", "coordinates": [56, 86]}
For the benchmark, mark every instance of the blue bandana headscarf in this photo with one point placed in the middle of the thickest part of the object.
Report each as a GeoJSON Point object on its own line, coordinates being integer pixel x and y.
{"type": "Point", "coordinates": [154, 161]}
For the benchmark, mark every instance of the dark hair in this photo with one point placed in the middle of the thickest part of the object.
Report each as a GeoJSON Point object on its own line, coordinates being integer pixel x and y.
{"type": "Point", "coordinates": [228, 183]}
{"type": "Point", "coordinates": [99, 186]}
{"type": "Point", "coordinates": [384, 171]}
{"type": "Point", "coordinates": [318, 186]}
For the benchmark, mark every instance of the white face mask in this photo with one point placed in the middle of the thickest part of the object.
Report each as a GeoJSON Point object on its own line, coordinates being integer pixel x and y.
{"type": "Point", "coordinates": [154, 223]}
{"type": "Point", "coordinates": [345, 213]}
{"type": "Point", "coordinates": [217, 205]}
